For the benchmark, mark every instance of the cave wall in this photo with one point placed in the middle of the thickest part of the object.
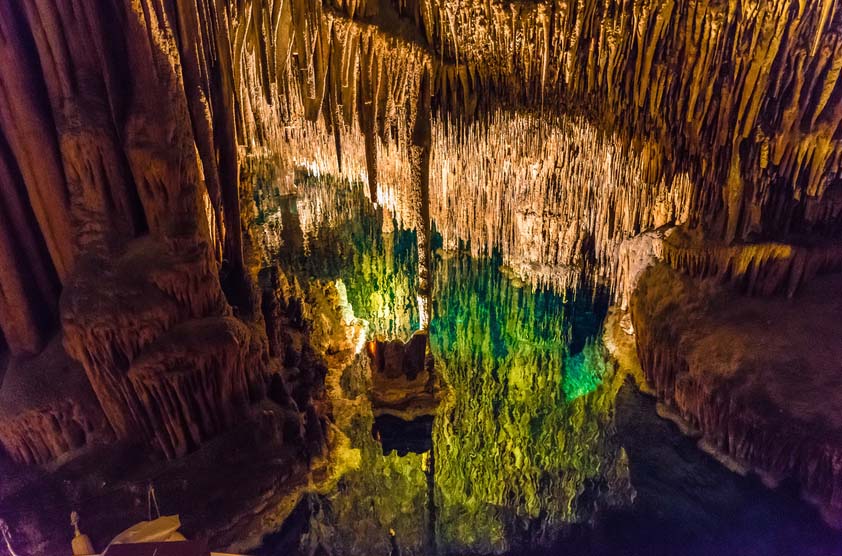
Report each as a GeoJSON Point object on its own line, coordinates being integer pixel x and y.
{"type": "Point", "coordinates": [115, 123]}
{"type": "Point", "coordinates": [118, 154]}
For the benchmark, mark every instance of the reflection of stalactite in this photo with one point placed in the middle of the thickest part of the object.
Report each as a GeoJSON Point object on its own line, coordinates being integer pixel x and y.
{"type": "Point", "coordinates": [635, 68]}
{"type": "Point", "coordinates": [335, 232]}
{"type": "Point", "coordinates": [555, 196]}
{"type": "Point", "coordinates": [530, 396]}
{"type": "Point", "coordinates": [521, 406]}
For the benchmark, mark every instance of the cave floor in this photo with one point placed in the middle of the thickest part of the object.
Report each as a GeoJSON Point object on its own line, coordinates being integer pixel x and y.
{"type": "Point", "coordinates": [227, 492]}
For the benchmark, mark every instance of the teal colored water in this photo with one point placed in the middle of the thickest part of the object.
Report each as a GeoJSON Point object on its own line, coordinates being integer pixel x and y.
{"type": "Point", "coordinates": [538, 444]}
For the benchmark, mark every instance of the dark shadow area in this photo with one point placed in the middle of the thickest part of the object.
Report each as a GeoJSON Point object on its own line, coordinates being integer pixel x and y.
{"type": "Point", "coordinates": [414, 436]}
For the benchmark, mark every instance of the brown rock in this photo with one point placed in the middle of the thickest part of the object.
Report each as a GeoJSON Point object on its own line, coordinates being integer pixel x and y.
{"type": "Point", "coordinates": [198, 379]}
{"type": "Point", "coordinates": [112, 310]}
{"type": "Point", "coordinates": [47, 408]}
{"type": "Point", "coordinates": [756, 376]}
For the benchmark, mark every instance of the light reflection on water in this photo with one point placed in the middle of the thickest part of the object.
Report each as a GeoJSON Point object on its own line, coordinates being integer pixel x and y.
{"type": "Point", "coordinates": [522, 440]}
{"type": "Point", "coordinates": [526, 450]}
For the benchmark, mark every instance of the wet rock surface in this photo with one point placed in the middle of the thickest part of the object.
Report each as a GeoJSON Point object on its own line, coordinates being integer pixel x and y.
{"type": "Point", "coordinates": [752, 375]}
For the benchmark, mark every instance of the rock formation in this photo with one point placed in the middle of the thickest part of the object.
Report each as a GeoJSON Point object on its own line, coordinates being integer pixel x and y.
{"type": "Point", "coordinates": [48, 408]}
{"type": "Point", "coordinates": [197, 380]}
{"type": "Point", "coordinates": [753, 375]}
{"type": "Point", "coordinates": [113, 310]}
{"type": "Point", "coordinates": [742, 98]}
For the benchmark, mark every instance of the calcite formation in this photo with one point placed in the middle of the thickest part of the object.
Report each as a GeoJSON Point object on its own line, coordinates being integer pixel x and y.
{"type": "Point", "coordinates": [113, 310]}
{"type": "Point", "coordinates": [753, 375]}
{"type": "Point", "coordinates": [758, 268]}
{"type": "Point", "coordinates": [566, 135]}
{"type": "Point", "coordinates": [40, 422]}
{"type": "Point", "coordinates": [557, 195]}
{"type": "Point", "coordinates": [741, 97]}
{"type": "Point", "coordinates": [126, 131]}
{"type": "Point", "coordinates": [198, 379]}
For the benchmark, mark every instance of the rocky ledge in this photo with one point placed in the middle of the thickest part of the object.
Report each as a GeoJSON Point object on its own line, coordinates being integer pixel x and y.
{"type": "Point", "coordinates": [754, 377]}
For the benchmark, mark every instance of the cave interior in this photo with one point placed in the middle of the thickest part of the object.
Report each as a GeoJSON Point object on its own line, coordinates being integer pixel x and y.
{"type": "Point", "coordinates": [421, 277]}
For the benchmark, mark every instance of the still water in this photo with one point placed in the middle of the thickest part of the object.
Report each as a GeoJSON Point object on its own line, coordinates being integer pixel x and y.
{"type": "Point", "coordinates": [537, 445]}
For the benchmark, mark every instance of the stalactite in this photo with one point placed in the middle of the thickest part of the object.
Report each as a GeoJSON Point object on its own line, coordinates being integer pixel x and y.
{"type": "Point", "coordinates": [658, 64]}
{"type": "Point", "coordinates": [47, 408]}
{"type": "Point", "coordinates": [113, 310]}
{"type": "Point", "coordinates": [555, 196]}
{"type": "Point", "coordinates": [28, 285]}
{"type": "Point", "coordinates": [419, 199]}
{"type": "Point", "coordinates": [38, 436]}
{"type": "Point", "coordinates": [559, 131]}
{"type": "Point", "coordinates": [197, 380]}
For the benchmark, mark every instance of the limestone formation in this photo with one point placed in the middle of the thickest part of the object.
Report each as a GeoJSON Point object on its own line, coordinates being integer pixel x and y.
{"type": "Point", "coordinates": [48, 408]}
{"type": "Point", "coordinates": [403, 379]}
{"type": "Point", "coordinates": [726, 116]}
{"type": "Point", "coordinates": [198, 379]}
{"type": "Point", "coordinates": [113, 310]}
{"type": "Point", "coordinates": [569, 136]}
{"type": "Point", "coordinates": [767, 408]}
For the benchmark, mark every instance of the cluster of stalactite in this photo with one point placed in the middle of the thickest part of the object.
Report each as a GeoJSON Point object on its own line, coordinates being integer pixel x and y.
{"type": "Point", "coordinates": [658, 146]}
{"type": "Point", "coordinates": [130, 119]}
{"type": "Point", "coordinates": [48, 408]}
{"type": "Point", "coordinates": [119, 169]}
{"type": "Point", "coordinates": [125, 319]}
{"type": "Point", "coordinates": [749, 90]}
{"type": "Point", "coordinates": [699, 352]}
{"type": "Point", "coordinates": [138, 131]}
{"type": "Point", "coordinates": [762, 268]}
{"type": "Point", "coordinates": [198, 380]}
{"type": "Point", "coordinates": [552, 194]}
{"type": "Point", "coordinates": [38, 436]}
{"type": "Point", "coordinates": [116, 121]}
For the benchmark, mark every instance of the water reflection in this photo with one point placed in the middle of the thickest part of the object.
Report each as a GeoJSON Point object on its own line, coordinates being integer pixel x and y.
{"type": "Point", "coordinates": [520, 454]}
{"type": "Point", "coordinates": [522, 443]}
